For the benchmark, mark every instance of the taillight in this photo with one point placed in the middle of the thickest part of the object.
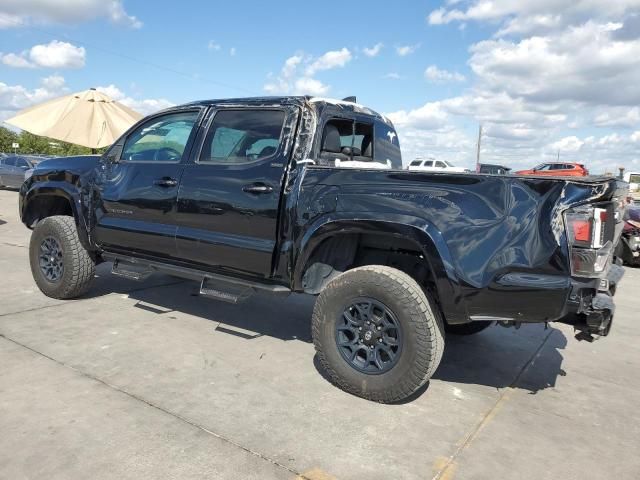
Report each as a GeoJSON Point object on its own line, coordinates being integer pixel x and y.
{"type": "Point", "coordinates": [581, 230]}
{"type": "Point", "coordinates": [587, 232]}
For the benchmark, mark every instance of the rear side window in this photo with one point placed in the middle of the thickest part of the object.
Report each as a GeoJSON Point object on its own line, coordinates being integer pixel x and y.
{"type": "Point", "coordinates": [11, 162]}
{"type": "Point", "coordinates": [239, 136]}
{"type": "Point", "coordinates": [416, 163]}
{"type": "Point", "coordinates": [387, 145]}
{"type": "Point", "coordinates": [428, 163]}
{"type": "Point", "coordinates": [161, 139]}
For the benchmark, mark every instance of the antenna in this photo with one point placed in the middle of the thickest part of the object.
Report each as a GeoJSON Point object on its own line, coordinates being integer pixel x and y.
{"type": "Point", "coordinates": [478, 151]}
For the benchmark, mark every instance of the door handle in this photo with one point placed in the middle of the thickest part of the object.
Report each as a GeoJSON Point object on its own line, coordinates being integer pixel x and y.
{"type": "Point", "coordinates": [257, 188]}
{"type": "Point", "coordinates": [166, 182]}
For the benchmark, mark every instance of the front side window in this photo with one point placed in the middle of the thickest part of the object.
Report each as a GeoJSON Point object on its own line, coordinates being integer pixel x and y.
{"type": "Point", "coordinates": [544, 167]}
{"type": "Point", "coordinates": [240, 136]}
{"type": "Point", "coordinates": [161, 139]}
{"type": "Point", "coordinates": [440, 164]}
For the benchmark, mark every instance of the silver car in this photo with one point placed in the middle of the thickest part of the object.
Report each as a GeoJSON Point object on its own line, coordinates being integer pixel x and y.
{"type": "Point", "coordinates": [12, 170]}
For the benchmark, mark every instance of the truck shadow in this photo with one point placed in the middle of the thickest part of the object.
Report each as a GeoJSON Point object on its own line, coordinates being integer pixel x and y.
{"type": "Point", "coordinates": [497, 357]}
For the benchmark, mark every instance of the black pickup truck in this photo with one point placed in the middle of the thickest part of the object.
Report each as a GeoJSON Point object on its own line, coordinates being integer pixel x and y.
{"type": "Point", "coordinates": [261, 194]}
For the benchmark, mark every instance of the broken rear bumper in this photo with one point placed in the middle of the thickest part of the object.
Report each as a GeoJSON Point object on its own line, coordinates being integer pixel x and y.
{"type": "Point", "coordinates": [591, 307]}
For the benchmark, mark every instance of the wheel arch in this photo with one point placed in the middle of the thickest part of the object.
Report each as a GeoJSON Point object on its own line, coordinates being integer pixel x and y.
{"type": "Point", "coordinates": [47, 201]}
{"type": "Point", "coordinates": [411, 245]}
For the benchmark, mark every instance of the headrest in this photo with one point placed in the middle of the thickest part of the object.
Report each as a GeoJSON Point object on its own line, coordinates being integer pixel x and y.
{"type": "Point", "coordinates": [366, 146]}
{"type": "Point", "coordinates": [331, 140]}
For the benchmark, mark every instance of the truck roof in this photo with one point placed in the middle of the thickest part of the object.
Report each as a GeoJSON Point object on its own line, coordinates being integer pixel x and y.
{"type": "Point", "coordinates": [299, 100]}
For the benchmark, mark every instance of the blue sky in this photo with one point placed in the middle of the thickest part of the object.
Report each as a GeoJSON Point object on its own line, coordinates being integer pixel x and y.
{"type": "Point", "coordinates": [542, 77]}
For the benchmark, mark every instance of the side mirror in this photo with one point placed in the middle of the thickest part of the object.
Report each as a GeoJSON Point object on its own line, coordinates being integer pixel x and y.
{"type": "Point", "coordinates": [113, 154]}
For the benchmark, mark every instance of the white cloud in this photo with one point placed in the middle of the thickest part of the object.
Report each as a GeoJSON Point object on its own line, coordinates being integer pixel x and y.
{"type": "Point", "coordinates": [16, 61]}
{"type": "Point", "coordinates": [436, 75]}
{"type": "Point", "coordinates": [569, 11]}
{"type": "Point", "coordinates": [310, 86]}
{"type": "Point", "coordinates": [57, 54]}
{"type": "Point", "coordinates": [53, 83]}
{"type": "Point", "coordinates": [54, 54]}
{"type": "Point", "coordinates": [404, 50]}
{"type": "Point", "coordinates": [567, 144]}
{"type": "Point", "coordinates": [582, 64]}
{"type": "Point", "coordinates": [550, 72]}
{"type": "Point", "coordinates": [392, 76]}
{"type": "Point", "coordinates": [144, 106]}
{"type": "Point", "coordinates": [212, 45]}
{"type": "Point", "coordinates": [373, 51]}
{"type": "Point", "coordinates": [17, 97]}
{"type": "Point", "coordinates": [296, 75]}
{"type": "Point", "coordinates": [112, 92]}
{"type": "Point", "coordinates": [232, 51]}
{"type": "Point", "coordinates": [429, 116]}
{"type": "Point", "coordinates": [16, 13]}
{"type": "Point", "coordinates": [329, 60]}
{"type": "Point", "coordinates": [618, 117]}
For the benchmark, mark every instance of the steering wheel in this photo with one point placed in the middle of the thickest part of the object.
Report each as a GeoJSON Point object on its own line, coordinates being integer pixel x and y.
{"type": "Point", "coordinates": [168, 153]}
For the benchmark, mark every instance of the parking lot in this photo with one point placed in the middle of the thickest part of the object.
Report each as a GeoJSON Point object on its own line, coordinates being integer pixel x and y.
{"type": "Point", "coordinates": [148, 380]}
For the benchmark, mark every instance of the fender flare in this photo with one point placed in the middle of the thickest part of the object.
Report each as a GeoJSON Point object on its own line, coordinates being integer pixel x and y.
{"type": "Point", "coordinates": [59, 190]}
{"type": "Point", "coordinates": [419, 231]}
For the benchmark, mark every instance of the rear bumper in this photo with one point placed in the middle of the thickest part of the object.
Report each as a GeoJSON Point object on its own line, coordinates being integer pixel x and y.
{"type": "Point", "coordinates": [590, 306]}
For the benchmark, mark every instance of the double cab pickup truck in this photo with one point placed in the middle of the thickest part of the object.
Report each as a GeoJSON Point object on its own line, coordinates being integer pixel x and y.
{"type": "Point", "coordinates": [302, 194]}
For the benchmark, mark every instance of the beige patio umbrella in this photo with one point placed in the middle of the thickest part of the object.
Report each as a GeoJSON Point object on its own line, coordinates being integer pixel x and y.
{"type": "Point", "coordinates": [89, 118]}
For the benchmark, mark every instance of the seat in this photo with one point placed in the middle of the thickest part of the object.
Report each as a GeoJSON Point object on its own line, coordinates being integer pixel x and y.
{"type": "Point", "coordinates": [365, 154]}
{"type": "Point", "coordinates": [331, 147]}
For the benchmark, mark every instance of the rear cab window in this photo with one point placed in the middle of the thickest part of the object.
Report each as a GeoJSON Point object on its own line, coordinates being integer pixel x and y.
{"type": "Point", "coordinates": [243, 135]}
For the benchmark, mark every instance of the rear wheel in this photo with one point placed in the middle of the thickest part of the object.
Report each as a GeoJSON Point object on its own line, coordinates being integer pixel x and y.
{"type": "Point", "coordinates": [60, 265]}
{"type": "Point", "coordinates": [377, 334]}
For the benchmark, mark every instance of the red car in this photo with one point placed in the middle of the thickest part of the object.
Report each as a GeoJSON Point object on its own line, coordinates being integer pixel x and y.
{"type": "Point", "coordinates": [557, 169]}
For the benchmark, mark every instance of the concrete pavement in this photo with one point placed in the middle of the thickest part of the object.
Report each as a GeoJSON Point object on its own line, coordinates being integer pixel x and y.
{"type": "Point", "coordinates": [147, 380]}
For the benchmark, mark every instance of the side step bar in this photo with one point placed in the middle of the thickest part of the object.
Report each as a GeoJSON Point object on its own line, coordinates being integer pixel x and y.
{"type": "Point", "coordinates": [129, 271]}
{"type": "Point", "coordinates": [229, 293]}
{"type": "Point", "coordinates": [214, 285]}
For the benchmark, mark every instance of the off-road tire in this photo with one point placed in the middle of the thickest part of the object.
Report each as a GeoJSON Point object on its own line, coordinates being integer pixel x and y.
{"type": "Point", "coordinates": [470, 328]}
{"type": "Point", "coordinates": [78, 267]}
{"type": "Point", "coordinates": [422, 338]}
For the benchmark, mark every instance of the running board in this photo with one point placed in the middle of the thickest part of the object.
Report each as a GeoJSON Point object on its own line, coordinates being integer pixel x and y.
{"type": "Point", "coordinates": [128, 270]}
{"type": "Point", "coordinates": [231, 293]}
{"type": "Point", "coordinates": [140, 268]}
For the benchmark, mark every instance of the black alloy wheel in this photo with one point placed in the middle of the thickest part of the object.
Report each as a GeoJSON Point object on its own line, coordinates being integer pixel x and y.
{"type": "Point", "coordinates": [369, 336]}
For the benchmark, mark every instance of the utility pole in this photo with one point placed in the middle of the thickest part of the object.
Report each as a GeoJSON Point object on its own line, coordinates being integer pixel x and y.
{"type": "Point", "coordinates": [478, 151]}
{"type": "Point", "coordinates": [558, 155]}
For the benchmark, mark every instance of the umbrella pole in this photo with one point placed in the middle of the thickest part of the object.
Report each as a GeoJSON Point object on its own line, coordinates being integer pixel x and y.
{"type": "Point", "coordinates": [94, 151]}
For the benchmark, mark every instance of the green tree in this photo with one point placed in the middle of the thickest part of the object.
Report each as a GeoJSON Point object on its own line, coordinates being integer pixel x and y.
{"type": "Point", "coordinates": [7, 137]}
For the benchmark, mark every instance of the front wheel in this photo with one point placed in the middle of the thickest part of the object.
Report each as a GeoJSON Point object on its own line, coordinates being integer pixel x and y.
{"type": "Point", "coordinates": [60, 265]}
{"type": "Point", "coordinates": [376, 333]}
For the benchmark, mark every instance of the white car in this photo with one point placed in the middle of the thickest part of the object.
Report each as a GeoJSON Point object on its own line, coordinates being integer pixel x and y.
{"type": "Point", "coordinates": [433, 165]}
